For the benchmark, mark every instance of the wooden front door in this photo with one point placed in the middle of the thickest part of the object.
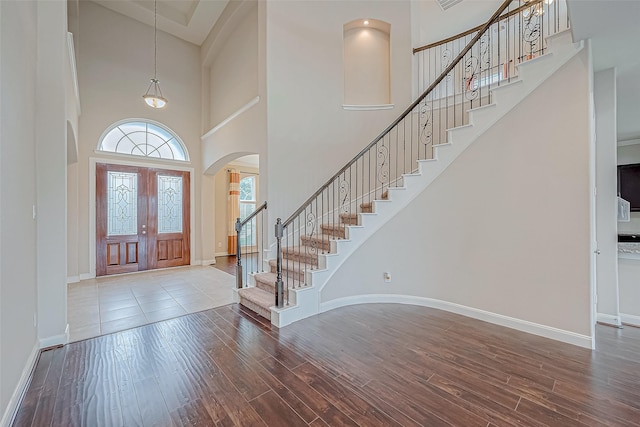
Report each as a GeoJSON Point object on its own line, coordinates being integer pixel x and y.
{"type": "Point", "coordinates": [142, 218]}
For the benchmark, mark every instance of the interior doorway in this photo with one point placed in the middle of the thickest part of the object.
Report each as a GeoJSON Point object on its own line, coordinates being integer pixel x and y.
{"type": "Point", "coordinates": [142, 218]}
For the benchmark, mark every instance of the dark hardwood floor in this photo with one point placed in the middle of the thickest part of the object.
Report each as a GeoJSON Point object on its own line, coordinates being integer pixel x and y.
{"type": "Point", "coordinates": [228, 263]}
{"type": "Point", "coordinates": [367, 365]}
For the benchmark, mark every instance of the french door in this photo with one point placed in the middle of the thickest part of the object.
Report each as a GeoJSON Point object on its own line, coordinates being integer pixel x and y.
{"type": "Point", "coordinates": [142, 218]}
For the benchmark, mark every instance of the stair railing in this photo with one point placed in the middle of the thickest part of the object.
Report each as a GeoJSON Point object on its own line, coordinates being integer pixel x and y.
{"type": "Point", "coordinates": [381, 165]}
{"type": "Point", "coordinates": [251, 241]}
{"type": "Point", "coordinates": [517, 36]}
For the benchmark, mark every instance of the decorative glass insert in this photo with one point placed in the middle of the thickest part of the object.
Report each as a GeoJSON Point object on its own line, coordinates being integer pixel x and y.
{"type": "Point", "coordinates": [145, 139]}
{"type": "Point", "coordinates": [169, 204]}
{"type": "Point", "coordinates": [248, 189]}
{"type": "Point", "coordinates": [122, 203]}
{"type": "Point", "coordinates": [247, 206]}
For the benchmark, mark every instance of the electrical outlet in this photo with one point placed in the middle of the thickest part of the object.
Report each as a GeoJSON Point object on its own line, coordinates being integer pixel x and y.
{"type": "Point", "coordinates": [219, 244]}
{"type": "Point", "coordinates": [387, 277]}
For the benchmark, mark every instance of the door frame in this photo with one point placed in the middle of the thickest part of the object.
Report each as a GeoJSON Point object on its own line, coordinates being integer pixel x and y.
{"type": "Point", "coordinates": [171, 165]}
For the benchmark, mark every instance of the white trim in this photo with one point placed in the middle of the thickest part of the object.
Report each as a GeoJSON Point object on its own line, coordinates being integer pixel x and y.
{"type": "Point", "coordinates": [498, 319]}
{"type": "Point", "coordinates": [608, 319]}
{"type": "Point", "coordinates": [233, 115]}
{"type": "Point", "coordinates": [368, 107]}
{"type": "Point", "coordinates": [55, 340]}
{"type": "Point", "coordinates": [151, 160]}
{"type": "Point", "coordinates": [630, 319]}
{"type": "Point", "coordinates": [92, 205]}
{"type": "Point", "coordinates": [74, 70]}
{"type": "Point", "coordinates": [21, 387]}
{"type": "Point", "coordinates": [207, 262]}
{"type": "Point", "coordinates": [73, 279]}
{"type": "Point", "coordinates": [221, 254]}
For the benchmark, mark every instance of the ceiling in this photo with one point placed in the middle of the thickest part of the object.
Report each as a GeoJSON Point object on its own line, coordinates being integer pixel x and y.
{"type": "Point", "coordinates": [612, 26]}
{"type": "Point", "coordinates": [190, 20]}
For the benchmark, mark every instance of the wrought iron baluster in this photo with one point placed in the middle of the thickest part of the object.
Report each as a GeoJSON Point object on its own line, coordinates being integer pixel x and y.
{"type": "Point", "coordinates": [238, 227]}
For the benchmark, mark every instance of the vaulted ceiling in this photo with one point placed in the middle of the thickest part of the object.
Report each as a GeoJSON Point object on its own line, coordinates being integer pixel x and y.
{"type": "Point", "coordinates": [190, 20]}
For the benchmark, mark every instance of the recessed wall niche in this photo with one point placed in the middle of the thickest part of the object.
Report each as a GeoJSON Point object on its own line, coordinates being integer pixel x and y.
{"type": "Point", "coordinates": [367, 66]}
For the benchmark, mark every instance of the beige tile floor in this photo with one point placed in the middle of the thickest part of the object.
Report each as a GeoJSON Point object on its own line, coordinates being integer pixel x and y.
{"type": "Point", "coordinates": [115, 303]}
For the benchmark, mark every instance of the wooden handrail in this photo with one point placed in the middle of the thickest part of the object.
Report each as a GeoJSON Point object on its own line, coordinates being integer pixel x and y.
{"type": "Point", "coordinates": [475, 29]}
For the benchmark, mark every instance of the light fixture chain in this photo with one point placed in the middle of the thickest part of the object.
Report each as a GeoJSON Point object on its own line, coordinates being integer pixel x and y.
{"type": "Point", "coordinates": [155, 39]}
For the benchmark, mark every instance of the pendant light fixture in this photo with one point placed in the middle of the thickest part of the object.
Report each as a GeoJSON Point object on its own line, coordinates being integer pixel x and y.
{"type": "Point", "coordinates": [153, 97]}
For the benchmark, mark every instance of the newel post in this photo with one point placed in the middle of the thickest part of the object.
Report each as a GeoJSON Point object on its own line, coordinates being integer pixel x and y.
{"type": "Point", "coordinates": [238, 255]}
{"type": "Point", "coordinates": [279, 284]}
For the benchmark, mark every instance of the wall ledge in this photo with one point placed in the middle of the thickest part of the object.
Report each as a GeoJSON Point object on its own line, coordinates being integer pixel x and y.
{"type": "Point", "coordinates": [497, 319]}
{"type": "Point", "coordinates": [232, 116]}
{"type": "Point", "coordinates": [368, 107]}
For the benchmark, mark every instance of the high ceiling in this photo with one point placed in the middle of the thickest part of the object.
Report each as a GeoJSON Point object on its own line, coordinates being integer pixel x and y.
{"type": "Point", "coordinates": [190, 20]}
{"type": "Point", "coordinates": [612, 26]}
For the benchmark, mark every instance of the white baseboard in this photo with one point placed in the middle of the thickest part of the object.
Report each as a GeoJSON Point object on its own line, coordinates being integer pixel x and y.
{"type": "Point", "coordinates": [222, 253]}
{"type": "Point", "coordinates": [21, 387]}
{"type": "Point", "coordinates": [498, 319]}
{"type": "Point", "coordinates": [73, 279]}
{"type": "Point", "coordinates": [55, 340]}
{"type": "Point", "coordinates": [208, 261]}
{"type": "Point", "coordinates": [87, 276]}
{"type": "Point", "coordinates": [608, 319]}
{"type": "Point", "coordinates": [630, 319]}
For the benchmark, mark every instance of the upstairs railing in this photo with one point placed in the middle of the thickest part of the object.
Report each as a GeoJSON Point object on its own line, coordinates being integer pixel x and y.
{"type": "Point", "coordinates": [477, 62]}
{"type": "Point", "coordinates": [251, 241]}
{"type": "Point", "coordinates": [518, 35]}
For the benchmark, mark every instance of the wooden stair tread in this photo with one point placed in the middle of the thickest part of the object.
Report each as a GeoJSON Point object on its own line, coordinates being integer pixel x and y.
{"type": "Point", "coordinates": [333, 226]}
{"type": "Point", "coordinates": [257, 300]}
{"type": "Point", "coordinates": [294, 265]}
{"type": "Point", "coordinates": [270, 280]}
{"type": "Point", "coordinates": [320, 239]}
{"type": "Point", "coordinates": [305, 250]}
{"type": "Point", "coordinates": [262, 297]}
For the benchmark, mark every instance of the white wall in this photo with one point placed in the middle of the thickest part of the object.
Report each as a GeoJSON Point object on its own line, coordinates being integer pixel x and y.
{"type": "Point", "coordinates": [310, 135]}
{"type": "Point", "coordinates": [506, 228]}
{"type": "Point", "coordinates": [51, 162]}
{"type": "Point", "coordinates": [233, 61]}
{"type": "Point", "coordinates": [18, 291]}
{"type": "Point", "coordinates": [606, 202]}
{"type": "Point", "coordinates": [115, 63]}
{"type": "Point", "coordinates": [233, 71]}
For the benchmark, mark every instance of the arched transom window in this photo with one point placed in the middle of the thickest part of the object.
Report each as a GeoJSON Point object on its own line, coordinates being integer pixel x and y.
{"type": "Point", "coordinates": [143, 138]}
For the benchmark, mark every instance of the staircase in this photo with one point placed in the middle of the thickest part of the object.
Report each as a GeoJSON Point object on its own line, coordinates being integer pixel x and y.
{"type": "Point", "coordinates": [316, 241]}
